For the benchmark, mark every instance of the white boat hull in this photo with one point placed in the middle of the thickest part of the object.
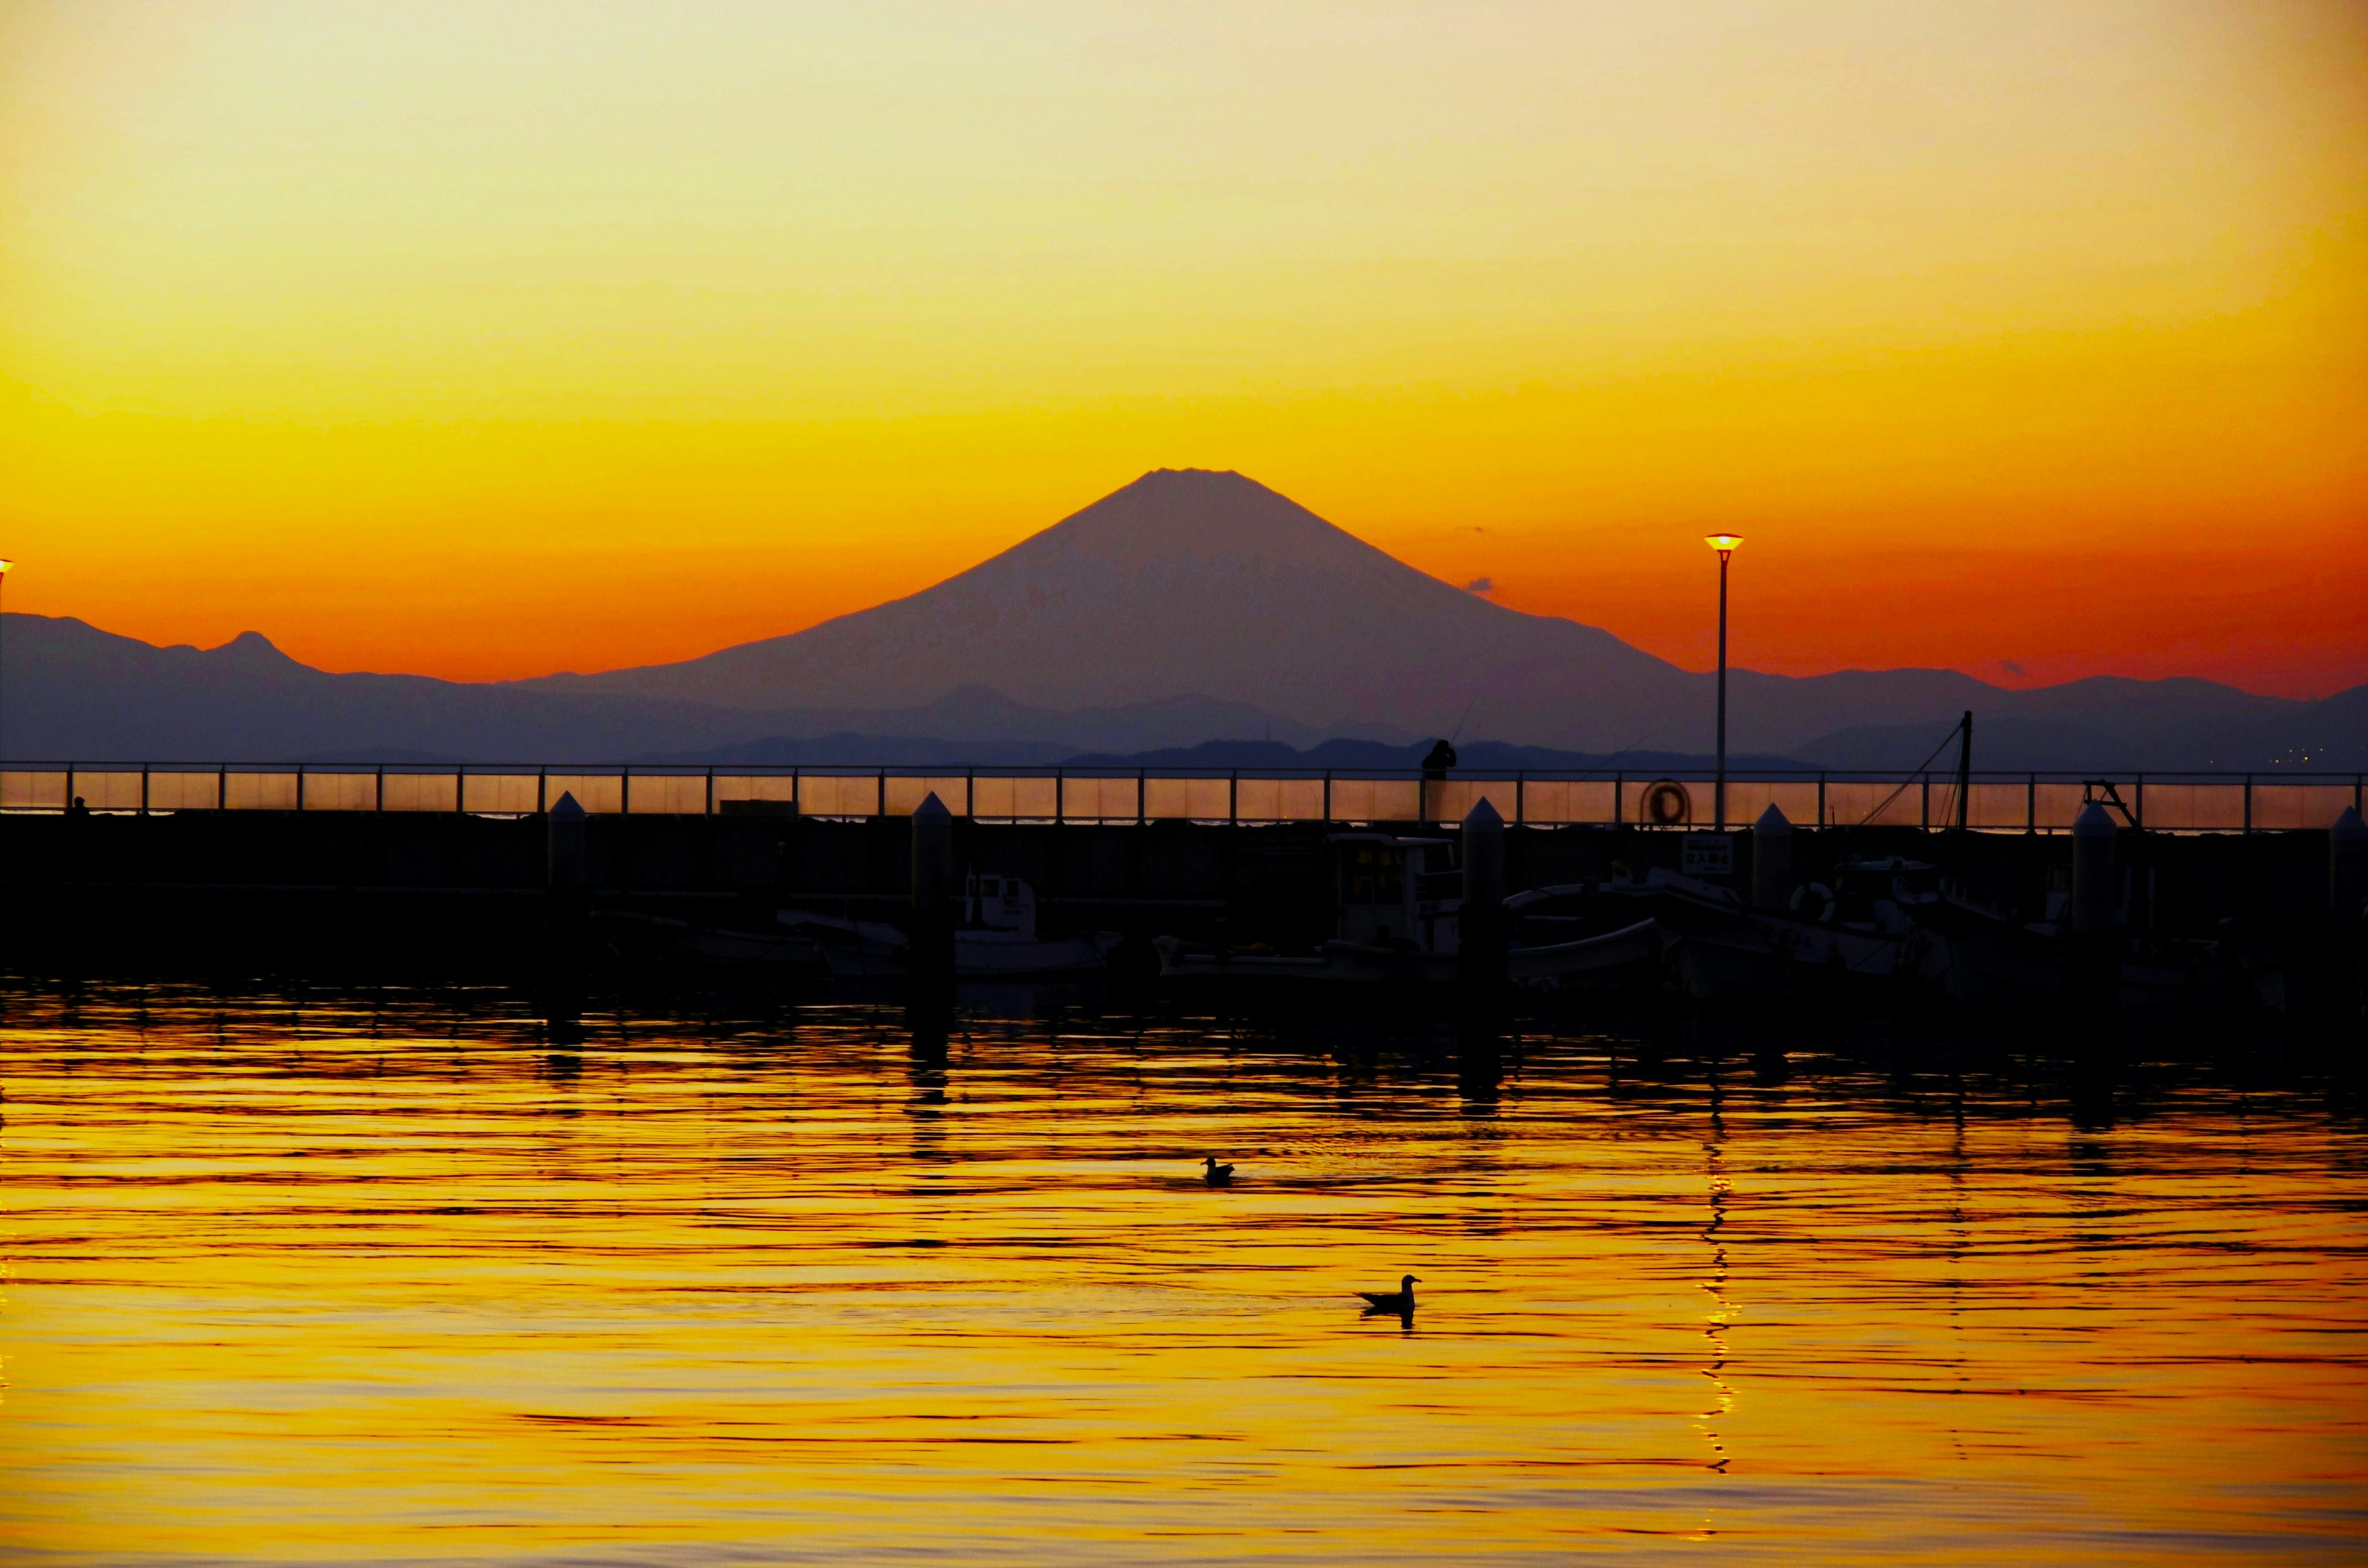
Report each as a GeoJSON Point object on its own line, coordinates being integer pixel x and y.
{"type": "Point", "coordinates": [718, 945]}
{"type": "Point", "coordinates": [1993, 961]}
{"type": "Point", "coordinates": [1723, 951]}
{"type": "Point", "coordinates": [1616, 957]}
{"type": "Point", "coordinates": [1608, 959]}
{"type": "Point", "coordinates": [872, 948]}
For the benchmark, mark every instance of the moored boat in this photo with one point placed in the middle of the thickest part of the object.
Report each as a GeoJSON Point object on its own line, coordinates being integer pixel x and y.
{"type": "Point", "coordinates": [2293, 968]}
{"type": "Point", "coordinates": [1856, 938]}
{"type": "Point", "coordinates": [1398, 916]}
{"type": "Point", "coordinates": [1613, 958]}
{"type": "Point", "coordinates": [680, 940]}
{"type": "Point", "coordinates": [1995, 961]}
{"type": "Point", "coordinates": [996, 938]}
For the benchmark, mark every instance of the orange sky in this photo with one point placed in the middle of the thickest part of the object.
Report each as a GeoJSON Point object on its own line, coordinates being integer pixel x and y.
{"type": "Point", "coordinates": [487, 341]}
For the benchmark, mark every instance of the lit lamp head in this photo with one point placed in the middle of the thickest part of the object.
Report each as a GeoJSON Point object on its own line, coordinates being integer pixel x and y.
{"type": "Point", "coordinates": [4, 567]}
{"type": "Point", "coordinates": [1724, 543]}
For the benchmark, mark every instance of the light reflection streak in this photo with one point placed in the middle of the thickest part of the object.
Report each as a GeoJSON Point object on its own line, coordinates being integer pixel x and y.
{"type": "Point", "coordinates": [1722, 1315]}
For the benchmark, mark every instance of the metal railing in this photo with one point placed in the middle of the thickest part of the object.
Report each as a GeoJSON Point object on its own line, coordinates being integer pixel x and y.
{"type": "Point", "coordinates": [1996, 802]}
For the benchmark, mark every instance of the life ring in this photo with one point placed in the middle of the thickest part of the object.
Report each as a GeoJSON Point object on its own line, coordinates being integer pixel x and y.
{"type": "Point", "coordinates": [1814, 901]}
{"type": "Point", "coordinates": [1667, 804]}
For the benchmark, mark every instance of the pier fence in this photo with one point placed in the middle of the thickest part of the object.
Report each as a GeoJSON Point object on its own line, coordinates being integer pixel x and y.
{"type": "Point", "coordinates": [2041, 803]}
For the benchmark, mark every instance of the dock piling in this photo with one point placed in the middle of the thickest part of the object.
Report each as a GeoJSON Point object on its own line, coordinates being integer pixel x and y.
{"type": "Point", "coordinates": [1481, 939]}
{"type": "Point", "coordinates": [2347, 868]}
{"type": "Point", "coordinates": [2093, 890]}
{"type": "Point", "coordinates": [566, 935]}
{"type": "Point", "coordinates": [564, 864]}
{"type": "Point", "coordinates": [1771, 859]}
{"type": "Point", "coordinates": [930, 949]}
{"type": "Point", "coordinates": [2094, 970]}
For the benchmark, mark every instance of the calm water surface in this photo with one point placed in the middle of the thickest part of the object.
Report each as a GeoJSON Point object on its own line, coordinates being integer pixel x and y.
{"type": "Point", "coordinates": [390, 1278]}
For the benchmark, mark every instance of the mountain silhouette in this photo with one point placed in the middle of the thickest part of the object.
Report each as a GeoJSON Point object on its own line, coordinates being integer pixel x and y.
{"type": "Point", "coordinates": [1188, 581]}
{"type": "Point", "coordinates": [75, 693]}
{"type": "Point", "coordinates": [1191, 606]}
{"type": "Point", "coordinates": [1210, 584]}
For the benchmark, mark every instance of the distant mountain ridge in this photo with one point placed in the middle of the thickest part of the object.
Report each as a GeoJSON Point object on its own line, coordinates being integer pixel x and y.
{"type": "Point", "coordinates": [73, 692]}
{"type": "Point", "coordinates": [1187, 608]}
{"type": "Point", "coordinates": [1482, 756]}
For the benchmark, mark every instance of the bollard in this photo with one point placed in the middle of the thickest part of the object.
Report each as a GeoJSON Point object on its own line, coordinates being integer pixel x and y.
{"type": "Point", "coordinates": [1480, 935]}
{"type": "Point", "coordinates": [2092, 869]}
{"type": "Point", "coordinates": [1484, 858]}
{"type": "Point", "coordinates": [567, 921]}
{"type": "Point", "coordinates": [929, 955]}
{"type": "Point", "coordinates": [2347, 868]}
{"type": "Point", "coordinates": [564, 868]}
{"type": "Point", "coordinates": [2093, 964]}
{"type": "Point", "coordinates": [2347, 846]}
{"type": "Point", "coordinates": [1771, 859]}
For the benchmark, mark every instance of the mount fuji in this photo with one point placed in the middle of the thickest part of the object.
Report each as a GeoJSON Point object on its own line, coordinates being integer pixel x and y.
{"type": "Point", "coordinates": [1190, 607]}
{"type": "Point", "coordinates": [1208, 585]}
{"type": "Point", "coordinates": [1193, 582]}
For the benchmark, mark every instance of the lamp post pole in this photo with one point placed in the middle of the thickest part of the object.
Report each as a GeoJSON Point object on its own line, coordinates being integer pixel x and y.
{"type": "Point", "coordinates": [1724, 544]}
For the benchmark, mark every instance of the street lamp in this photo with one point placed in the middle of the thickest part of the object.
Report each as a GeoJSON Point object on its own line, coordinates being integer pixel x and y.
{"type": "Point", "coordinates": [1724, 544]}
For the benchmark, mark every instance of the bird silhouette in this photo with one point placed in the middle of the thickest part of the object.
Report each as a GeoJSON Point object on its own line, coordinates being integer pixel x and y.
{"type": "Point", "coordinates": [1216, 1175]}
{"type": "Point", "coordinates": [1400, 1301]}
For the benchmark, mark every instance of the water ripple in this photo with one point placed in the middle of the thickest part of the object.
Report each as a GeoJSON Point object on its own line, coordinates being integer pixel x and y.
{"type": "Point", "coordinates": [391, 1277]}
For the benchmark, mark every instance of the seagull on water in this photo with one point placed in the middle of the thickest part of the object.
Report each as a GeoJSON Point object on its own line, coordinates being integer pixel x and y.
{"type": "Point", "coordinates": [1217, 1175]}
{"type": "Point", "coordinates": [1399, 1300]}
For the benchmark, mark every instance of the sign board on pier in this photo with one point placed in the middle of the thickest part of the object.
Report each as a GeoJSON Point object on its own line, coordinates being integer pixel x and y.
{"type": "Point", "coordinates": [1709, 855]}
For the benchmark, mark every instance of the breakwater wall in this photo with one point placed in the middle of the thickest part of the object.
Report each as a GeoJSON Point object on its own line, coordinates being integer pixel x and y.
{"type": "Point", "coordinates": [344, 891]}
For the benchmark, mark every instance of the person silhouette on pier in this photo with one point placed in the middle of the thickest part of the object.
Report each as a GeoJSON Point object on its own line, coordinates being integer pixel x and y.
{"type": "Point", "coordinates": [1434, 775]}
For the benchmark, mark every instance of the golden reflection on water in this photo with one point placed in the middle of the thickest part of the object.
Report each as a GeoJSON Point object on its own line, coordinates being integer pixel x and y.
{"type": "Point", "coordinates": [391, 1278]}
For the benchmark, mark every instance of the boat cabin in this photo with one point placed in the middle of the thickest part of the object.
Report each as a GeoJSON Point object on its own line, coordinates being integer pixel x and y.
{"type": "Point", "coordinates": [1877, 892]}
{"type": "Point", "coordinates": [1395, 892]}
{"type": "Point", "coordinates": [999, 903]}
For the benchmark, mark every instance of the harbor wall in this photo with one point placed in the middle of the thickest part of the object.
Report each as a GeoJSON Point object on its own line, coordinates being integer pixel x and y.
{"type": "Point", "coordinates": [298, 889]}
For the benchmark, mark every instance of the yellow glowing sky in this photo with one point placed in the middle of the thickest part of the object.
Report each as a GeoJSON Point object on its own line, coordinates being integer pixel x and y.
{"type": "Point", "coordinates": [491, 339]}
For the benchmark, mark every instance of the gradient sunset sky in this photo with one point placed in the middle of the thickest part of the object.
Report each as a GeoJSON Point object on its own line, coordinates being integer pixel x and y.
{"type": "Point", "coordinates": [491, 339]}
